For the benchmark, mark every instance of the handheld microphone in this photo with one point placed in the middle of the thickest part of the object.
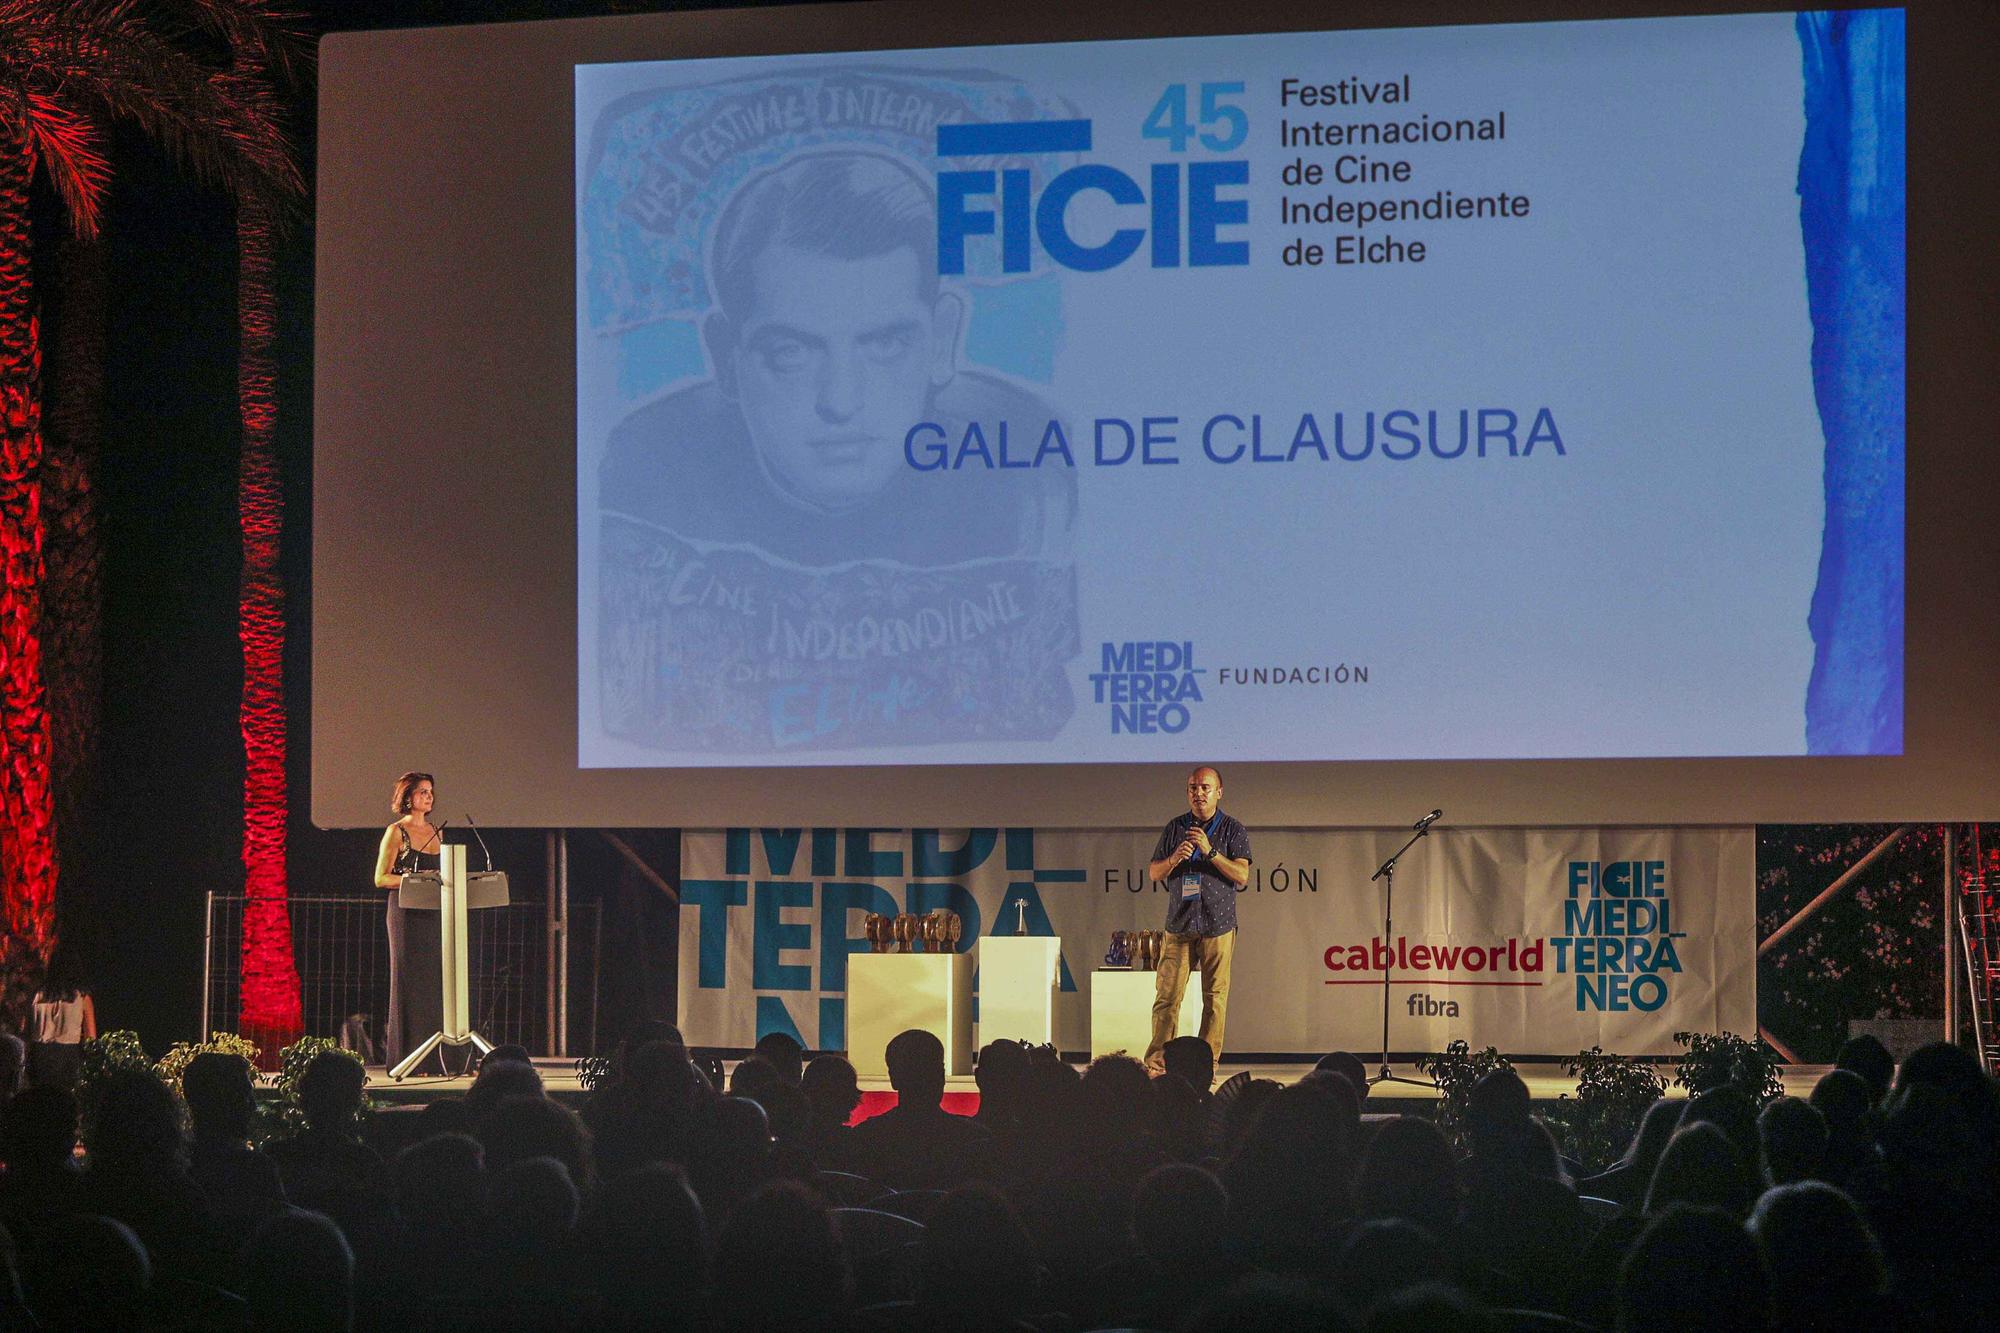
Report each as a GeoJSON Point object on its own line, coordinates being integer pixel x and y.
{"type": "Point", "coordinates": [482, 841]}
{"type": "Point", "coordinates": [1428, 820]}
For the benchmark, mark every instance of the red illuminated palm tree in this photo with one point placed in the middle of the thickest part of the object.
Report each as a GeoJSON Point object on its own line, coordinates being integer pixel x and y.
{"type": "Point", "coordinates": [195, 76]}
{"type": "Point", "coordinates": [266, 52]}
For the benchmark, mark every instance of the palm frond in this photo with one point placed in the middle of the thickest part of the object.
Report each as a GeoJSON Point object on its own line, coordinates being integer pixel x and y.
{"type": "Point", "coordinates": [271, 37]}
{"type": "Point", "coordinates": [219, 124]}
{"type": "Point", "coordinates": [219, 116]}
{"type": "Point", "coordinates": [71, 149]}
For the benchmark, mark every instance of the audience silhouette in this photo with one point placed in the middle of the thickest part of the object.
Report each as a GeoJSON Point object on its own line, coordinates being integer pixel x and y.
{"type": "Point", "coordinates": [1073, 1201]}
{"type": "Point", "coordinates": [917, 1144]}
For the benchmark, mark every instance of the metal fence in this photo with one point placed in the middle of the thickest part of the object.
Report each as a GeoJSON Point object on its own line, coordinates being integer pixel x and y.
{"type": "Point", "coordinates": [342, 952]}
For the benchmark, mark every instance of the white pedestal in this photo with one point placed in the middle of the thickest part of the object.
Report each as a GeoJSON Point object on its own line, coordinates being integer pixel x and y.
{"type": "Point", "coordinates": [888, 993]}
{"type": "Point", "coordinates": [1017, 988]}
{"type": "Point", "coordinates": [1121, 1011]}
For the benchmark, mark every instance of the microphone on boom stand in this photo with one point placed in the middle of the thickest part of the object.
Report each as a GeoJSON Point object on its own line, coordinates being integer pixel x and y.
{"type": "Point", "coordinates": [1387, 873]}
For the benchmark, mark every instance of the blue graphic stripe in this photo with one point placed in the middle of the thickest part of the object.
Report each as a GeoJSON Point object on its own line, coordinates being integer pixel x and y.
{"type": "Point", "coordinates": [1851, 215]}
{"type": "Point", "coordinates": [997, 138]}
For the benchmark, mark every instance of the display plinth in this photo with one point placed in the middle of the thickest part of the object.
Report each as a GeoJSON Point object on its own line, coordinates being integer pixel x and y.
{"type": "Point", "coordinates": [888, 993]}
{"type": "Point", "coordinates": [1017, 988]}
{"type": "Point", "coordinates": [1121, 1010]}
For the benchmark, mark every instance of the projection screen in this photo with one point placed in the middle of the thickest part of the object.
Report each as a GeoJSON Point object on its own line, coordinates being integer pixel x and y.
{"type": "Point", "coordinates": [861, 414]}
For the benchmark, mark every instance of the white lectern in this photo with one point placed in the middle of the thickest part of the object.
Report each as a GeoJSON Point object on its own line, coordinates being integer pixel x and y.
{"type": "Point", "coordinates": [1017, 988]}
{"type": "Point", "coordinates": [888, 993]}
{"type": "Point", "coordinates": [1121, 1010]}
{"type": "Point", "coordinates": [450, 893]}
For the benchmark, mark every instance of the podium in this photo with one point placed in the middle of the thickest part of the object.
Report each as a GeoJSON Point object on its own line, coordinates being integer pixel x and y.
{"type": "Point", "coordinates": [888, 993]}
{"type": "Point", "coordinates": [451, 893]}
{"type": "Point", "coordinates": [1017, 981]}
{"type": "Point", "coordinates": [1121, 1010]}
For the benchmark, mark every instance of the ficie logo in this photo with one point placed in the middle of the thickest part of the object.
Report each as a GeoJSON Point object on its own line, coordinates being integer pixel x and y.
{"type": "Point", "coordinates": [1185, 215]}
{"type": "Point", "coordinates": [1618, 936]}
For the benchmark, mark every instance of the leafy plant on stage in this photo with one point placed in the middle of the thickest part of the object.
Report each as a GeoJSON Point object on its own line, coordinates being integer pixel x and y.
{"type": "Point", "coordinates": [179, 1055]}
{"type": "Point", "coordinates": [1612, 1094]}
{"type": "Point", "coordinates": [1723, 1059]}
{"type": "Point", "coordinates": [101, 1056]}
{"type": "Point", "coordinates": [288, 1112]}
{"type": "Point", "coordinates": [1454, 1071]}
{"type": "Point", "coordinates": [117, 1049]}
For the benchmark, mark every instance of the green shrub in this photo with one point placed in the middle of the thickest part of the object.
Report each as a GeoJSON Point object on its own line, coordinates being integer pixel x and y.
{"type": "Point", "coordinates": [288, 1115]}
{"type": "Point", "coordinates": [119, 1049]}
{"type": "Point", "coordinates": [175, 1062]}
{"type": "Point", "coordinates": [1723, 1059]}
{"type": "Point", "coordinates": [1454, 1071]}
{"type": "Point", "coordinates": [101, 1056]}
{"type": "Point", "coordinates": [1612, 1094]}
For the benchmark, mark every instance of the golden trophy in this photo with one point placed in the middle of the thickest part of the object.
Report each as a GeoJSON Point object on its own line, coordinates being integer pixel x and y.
{"type": "Point", "coordinates": [878, 931]}
{"type": "Point", "coordinates": [953, 929]}
{"type": "Point", "coordinates": [905, 927]}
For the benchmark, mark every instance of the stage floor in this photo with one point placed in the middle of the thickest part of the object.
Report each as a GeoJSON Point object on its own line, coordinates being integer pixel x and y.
{"type": "Point", "coordinates": [1546, 1082]}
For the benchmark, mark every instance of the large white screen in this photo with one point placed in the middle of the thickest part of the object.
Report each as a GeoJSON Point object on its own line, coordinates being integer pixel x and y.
{"type": "Point", "coordinates": [1417, 394]}
{"type": "Point", "coordinates": [450, 473]}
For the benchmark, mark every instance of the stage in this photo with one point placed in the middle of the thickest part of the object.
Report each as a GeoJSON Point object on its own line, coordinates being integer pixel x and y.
{"type": "Point", "coordinates": [1546, 1084]}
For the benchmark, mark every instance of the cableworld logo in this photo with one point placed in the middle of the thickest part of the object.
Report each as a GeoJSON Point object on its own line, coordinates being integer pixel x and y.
{"type": "Point", "coordinates": [1618, 947]}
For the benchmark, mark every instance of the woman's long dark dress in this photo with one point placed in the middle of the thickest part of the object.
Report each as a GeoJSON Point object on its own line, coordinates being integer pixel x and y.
{"type": "Point", "coordinates": [416, 965]}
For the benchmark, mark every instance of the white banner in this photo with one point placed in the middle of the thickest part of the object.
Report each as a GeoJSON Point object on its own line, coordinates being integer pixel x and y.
{"type": "Point", "coordinates": [1537, 941]}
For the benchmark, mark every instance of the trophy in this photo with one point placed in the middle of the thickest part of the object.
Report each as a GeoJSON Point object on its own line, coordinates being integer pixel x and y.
{"type": "Point", "coordinates": [1120, 953]}
{"type": "Point", "coordinates": [905, 930]}
{"type": "Point", "coordinates": [879, 932]}
{"type": "Point", "coordinates": [930, 931]}
{"type": "Point", "coordinates": [950, 930]}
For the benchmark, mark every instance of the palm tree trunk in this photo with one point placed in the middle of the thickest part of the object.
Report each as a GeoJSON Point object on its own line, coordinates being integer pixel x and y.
{"type": "Point", "coordinates": [27, 812]}
{"type": "Point", "coordinates": [271, 1010]}
{"type": "Point", "coordinates": [73, 549]}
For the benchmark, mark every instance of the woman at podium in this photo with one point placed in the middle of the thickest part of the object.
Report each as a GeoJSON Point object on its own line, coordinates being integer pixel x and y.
{"type": "Point", "coordinates": [416, 957]}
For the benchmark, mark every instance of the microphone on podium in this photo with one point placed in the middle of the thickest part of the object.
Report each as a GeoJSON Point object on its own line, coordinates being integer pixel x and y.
{"type": "Point", "coordinates": [482, 842]}
{"type": "Point", "coordinates": [488, 887]}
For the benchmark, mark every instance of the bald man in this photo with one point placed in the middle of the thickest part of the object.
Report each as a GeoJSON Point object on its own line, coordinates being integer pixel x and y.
{"type": "Point", "coordinates": [1202, 858]}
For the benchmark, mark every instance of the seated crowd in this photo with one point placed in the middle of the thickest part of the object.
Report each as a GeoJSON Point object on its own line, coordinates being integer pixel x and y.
{"type": "Point", "coordinates": [1071, 1201]}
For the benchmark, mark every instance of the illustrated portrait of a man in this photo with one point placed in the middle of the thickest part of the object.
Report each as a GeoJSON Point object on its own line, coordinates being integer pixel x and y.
{"type": "Point", "coordinates": [768, 548]}
{"type": "Point", "coordinates": [830, 337]}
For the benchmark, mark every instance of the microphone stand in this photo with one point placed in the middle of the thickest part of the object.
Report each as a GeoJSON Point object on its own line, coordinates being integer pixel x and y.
{"type": "Point", "coordinates": [1387, 873]}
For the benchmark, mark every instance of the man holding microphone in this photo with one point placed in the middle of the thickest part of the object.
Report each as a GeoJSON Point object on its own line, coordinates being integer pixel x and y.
{"type": "Point", "coordinates": [1202, 857]}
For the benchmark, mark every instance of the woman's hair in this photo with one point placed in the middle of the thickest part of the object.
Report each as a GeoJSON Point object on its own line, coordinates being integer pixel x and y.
{"type": "Point", "coordinates": [399, 801]}
{"type": "Point", "coordinates": [65, 978]}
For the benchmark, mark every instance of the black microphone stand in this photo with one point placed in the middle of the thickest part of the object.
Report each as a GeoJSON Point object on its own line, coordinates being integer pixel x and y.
{"type": "Point", "coordinates": [1387, 872]}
